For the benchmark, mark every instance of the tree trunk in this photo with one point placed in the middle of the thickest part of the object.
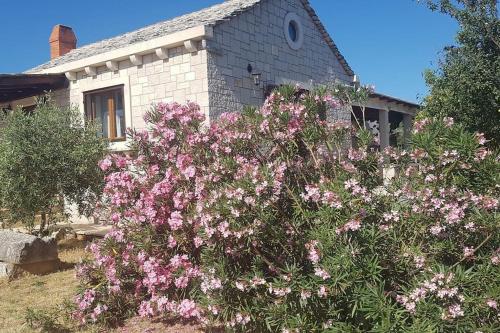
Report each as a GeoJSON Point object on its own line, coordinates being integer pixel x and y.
{"type": "Point", "coordinates": [43, 223]}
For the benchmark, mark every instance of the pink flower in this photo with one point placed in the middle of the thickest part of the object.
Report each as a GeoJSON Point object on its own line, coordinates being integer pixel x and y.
{"type": "Point", "coordinates": [419, 125]}
{"type": "Point", "coordinates": [188, 309]}
{"type": "Point", "coordinates": [492, 304]}
{"type": "Point", "coordinates": [175, 221]}
{"type": "Point", "coordinates": [184, 164]}
{"type": "Point", "coordinates": [313, 254]}
{"type": "Point", "coordinates": [322, 292]}
{"type": "Point", "coordinates": [468, 252]}
{"type": "Point", "coordinates": [321, 273]}
{"type": "Point", "coordinates": [352, 225]}
{"type": "Point", "coordinates": [105, 164]}
{"type": "Point", "coordinates": [181, 282]}
{"type": "Point", "coordinates": [448, 121]}
{"type": "Point", "coordinates": [454, 311]}
{"type": "Point", "coordinates": [145, 309]}
{"type": "Point", "coordinates": [312, 193]}
{"type": "Point", "coordinates": [331, 199]}
{"type": "Point", "coordinates": [98, 310]}
{"type": "Point", "coordinates": [436, 229]}
{"type": "Point", "coordinates": [305, 294]}
{"type": "Point", "coordinates": [197, 242]}
{"type": "Point", "coordinates": [480, 138]}
{"type": "Point", "coordinates": [419, 262]}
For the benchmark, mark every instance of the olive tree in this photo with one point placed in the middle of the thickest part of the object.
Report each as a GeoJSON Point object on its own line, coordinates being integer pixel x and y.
{"type": "Point", "coordinates": [466, 85]}
{"type": "Point", "coordinates": [48, 157]}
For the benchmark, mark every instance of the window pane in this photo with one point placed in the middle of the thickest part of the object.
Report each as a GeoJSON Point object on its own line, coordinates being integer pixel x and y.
{"type": "Point", "coordinates": [120, 114]}
{"type": "Point", "coordinates": [89, 110]}
{"type": "Point", "coordinates": [102, 113]}
{"type": "Point", "coordinates": [292, 31]}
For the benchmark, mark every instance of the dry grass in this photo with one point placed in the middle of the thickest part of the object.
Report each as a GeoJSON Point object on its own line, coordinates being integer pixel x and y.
{"type": "Point", "coordinates": [39, 292]}
{"type": "Point", "coordinates": [49, 292]}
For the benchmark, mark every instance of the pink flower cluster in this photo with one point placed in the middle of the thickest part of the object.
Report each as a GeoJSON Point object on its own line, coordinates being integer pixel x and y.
{"type": "Point", "coordinates": [439, 288]}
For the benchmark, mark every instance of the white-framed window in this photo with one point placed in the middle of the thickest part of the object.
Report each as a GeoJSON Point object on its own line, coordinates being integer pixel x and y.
{"type": "Point", "coordinates": [294, 31]}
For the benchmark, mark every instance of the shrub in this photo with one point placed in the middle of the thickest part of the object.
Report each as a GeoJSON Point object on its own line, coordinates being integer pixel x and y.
{"type": "Point", "coordinates": [48, 156]}
{"type": "Point", "coordinates": [267, 221]}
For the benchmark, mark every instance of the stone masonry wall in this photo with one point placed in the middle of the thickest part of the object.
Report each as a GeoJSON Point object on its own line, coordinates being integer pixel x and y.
{"type": "Point", "coordinates": [257, 37]}
{"type": "Point", "coordinates": [181, 77]}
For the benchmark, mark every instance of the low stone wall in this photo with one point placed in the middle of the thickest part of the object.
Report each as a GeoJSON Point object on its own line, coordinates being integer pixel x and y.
{"type": "Point", "coordinates": [26, 253]}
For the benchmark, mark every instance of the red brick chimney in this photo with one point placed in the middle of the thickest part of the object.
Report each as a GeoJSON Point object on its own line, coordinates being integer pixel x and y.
{"type": "Point", "coordinates": [62, 40]}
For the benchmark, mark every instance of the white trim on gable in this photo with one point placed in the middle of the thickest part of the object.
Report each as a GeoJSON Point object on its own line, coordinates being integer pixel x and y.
{"type": "Point", "coordinates": [169, 41]}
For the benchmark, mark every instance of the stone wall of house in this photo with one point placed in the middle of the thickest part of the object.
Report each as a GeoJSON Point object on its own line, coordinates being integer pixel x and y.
{"type": "Point", "coordinates": [257, 37]}
{"type": "Point", "coordinates": [181, 77]}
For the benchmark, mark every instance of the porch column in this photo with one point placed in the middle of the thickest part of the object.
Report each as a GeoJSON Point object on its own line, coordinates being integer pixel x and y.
{"type": "Point", "coordinates": [383, 119]}
{"type": "Point", "coordinates": [408, 125]}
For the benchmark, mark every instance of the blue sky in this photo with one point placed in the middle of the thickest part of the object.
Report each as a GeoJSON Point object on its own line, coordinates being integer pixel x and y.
{"type": "Point", "coordinates": [388, 43]}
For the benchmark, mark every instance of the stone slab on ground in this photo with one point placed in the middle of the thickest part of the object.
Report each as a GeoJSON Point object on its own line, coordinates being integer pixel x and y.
{"type": "Point", "coordinates": [96, 230]}
{"type": "Point", "coordinates": [18, 248]}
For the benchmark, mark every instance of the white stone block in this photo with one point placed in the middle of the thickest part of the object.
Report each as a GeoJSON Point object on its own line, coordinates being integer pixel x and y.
{"type": "Point", "coordinates": [185, 67]}
{"type": "Point", "coordinates": [136, 90]}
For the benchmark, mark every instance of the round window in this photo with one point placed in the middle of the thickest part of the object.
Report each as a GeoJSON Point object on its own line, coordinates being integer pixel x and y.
{"type": "Point", "coordinates": [293, 30]}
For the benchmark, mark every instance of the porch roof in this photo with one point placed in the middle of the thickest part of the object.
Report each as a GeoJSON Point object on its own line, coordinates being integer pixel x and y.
{"type": "Point", "coordinates": [395, 100]}
{"type": "Point", "coordinates": [17, 86]}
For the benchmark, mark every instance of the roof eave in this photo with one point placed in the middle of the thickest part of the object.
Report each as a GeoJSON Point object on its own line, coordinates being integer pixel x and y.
{"type": "Point", "coordinates": [175, 39]}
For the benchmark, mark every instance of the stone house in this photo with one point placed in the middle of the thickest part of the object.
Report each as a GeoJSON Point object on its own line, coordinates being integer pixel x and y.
{"type": "Point", "coordinates": [223, 57]}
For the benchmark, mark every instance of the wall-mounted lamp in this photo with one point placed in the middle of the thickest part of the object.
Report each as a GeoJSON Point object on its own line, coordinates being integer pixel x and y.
{"type": "Point", "coordinates": [256, 78]}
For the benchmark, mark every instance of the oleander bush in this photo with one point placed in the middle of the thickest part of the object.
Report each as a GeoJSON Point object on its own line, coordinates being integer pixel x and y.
{"type": "Point", "coordinates": [268, 221]}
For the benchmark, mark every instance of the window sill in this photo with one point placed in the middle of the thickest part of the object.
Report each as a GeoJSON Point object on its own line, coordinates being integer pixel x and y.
{"type": "Point", "coordinates": [117, 139]}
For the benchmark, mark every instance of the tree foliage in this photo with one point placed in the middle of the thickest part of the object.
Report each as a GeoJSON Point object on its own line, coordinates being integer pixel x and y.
{"type": "Point", "coordinates": [48, 157]}
{"type": "Point", "coordinates": [466, 85]}
{"type": "Point", "coordinates": [267, 222]}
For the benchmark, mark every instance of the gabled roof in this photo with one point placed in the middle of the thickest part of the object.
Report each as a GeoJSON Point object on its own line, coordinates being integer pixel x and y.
{"type": "Point", "coordinates": [208, 16]}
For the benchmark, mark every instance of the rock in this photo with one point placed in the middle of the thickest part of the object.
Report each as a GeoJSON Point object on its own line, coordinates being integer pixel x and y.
{"type": "Point", "coordinates": [5, 269]}
{"type": "Point", "coordinates": [60, 234]}
{"type": "Point", "coordinates": [18, 248]}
